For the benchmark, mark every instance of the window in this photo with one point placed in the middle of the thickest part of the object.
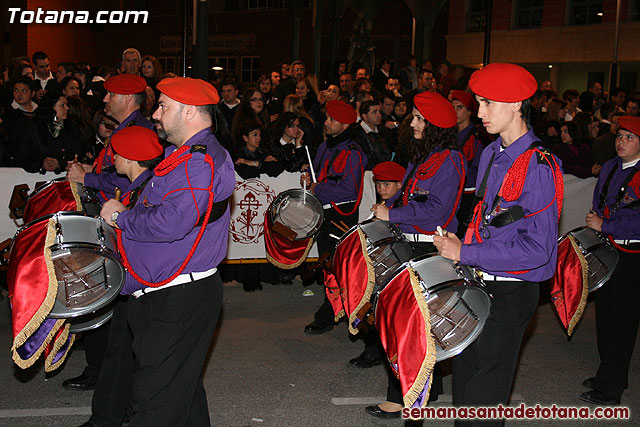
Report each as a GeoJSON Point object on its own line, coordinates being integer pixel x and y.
{"type": "Point", "coordinates": [229, 66]}
{"type": "Point", "coordinates": [528, 14]}
{"type": "Point", "coordinates": [250, 68]}
{"type": "Point", "coordinates": [257, 5]}
{"type": "Point", "coordinates": [635, 11]}
{"type": "Point", "coordinates": [476, 17]}
{"type": "Point", "coordinates": [170, 64]}
{"type": "Point", "coordinates": [586, 12]}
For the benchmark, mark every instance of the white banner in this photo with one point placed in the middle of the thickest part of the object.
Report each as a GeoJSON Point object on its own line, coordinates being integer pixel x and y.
{"type": "Point", "coordinates": [251, 199]}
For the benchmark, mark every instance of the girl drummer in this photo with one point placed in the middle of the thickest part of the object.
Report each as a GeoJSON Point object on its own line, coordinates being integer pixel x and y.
{"type": "Point", "coordinates": [429, 197]}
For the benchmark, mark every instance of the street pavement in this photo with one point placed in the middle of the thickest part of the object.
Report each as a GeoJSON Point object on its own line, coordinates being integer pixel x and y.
{"type": "Point", "coordinates": [264, 371]}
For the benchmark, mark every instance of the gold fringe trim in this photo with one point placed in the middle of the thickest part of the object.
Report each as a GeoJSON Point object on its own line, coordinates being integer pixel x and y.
{"type": "Point", "coordinates": [426, 369]}
{"type": "Point", "coordinates": [371, 282]}
{"type": "Point", "coordinates": [32, 326]}
{"type": "Point", "coordinates": [49, 366]}
{"type": "Point", "coordinates": [297, 263]}
{"type": "Point", "coordinates": [76, 195]}
{"type": "Point", "coordinates": [340, 315]}
{"type": "Point", "coordinates": [585, 287]}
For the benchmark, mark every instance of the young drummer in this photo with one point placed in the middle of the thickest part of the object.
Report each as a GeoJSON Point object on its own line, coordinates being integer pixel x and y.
{"type": "Point", "coordinates": [616, 213]}
{"type": "Point", "coordinates": [513, 238]}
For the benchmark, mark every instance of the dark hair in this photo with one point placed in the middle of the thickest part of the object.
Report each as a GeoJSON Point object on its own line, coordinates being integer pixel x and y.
{"type": "Point", "coordinates": [583, 120]}
{"type": "Point", "coordinates": [206, 110]}
{"type": "Point", "coordinates": [586, 101]}
{"type": "Point", "coordinates": [574, 132]}
{"type": "Point", "coordinates": [617, 90]}
{"type": "Point", "coordinates": [99, 116]}
{"type": "Point", "coordinates": [606, 109]}
{"type": "Point", "coordinates": [424, 71]}
{"type": "Point", "coordinates": [554, 106]}
{"type": "Point", "coordinates": [69, 67]}
{"type": "Point", "coordinates": [66, 80]}
{"type": "Point", "coordinates": [247, 127]}
{"type": "Point", "coordinates": [346, 73]}
{"type": "Point", "coordinates": [245, 113]}
{"type": "Point", "coordinates": [366, 106]}
{"type": "Point", "coordinates": [537, 94]}
{"type": "Point", "coordinates": [150, 164]}
{"type": "Point", "coordinates": [39, 56]}
{"type": "Point", "coordinates": [45, 111]}
{"type": "Point", "coordinates": [264, 77]}
{"type": "Point", "coordinates": [388, 94]}
{"type": "Point", "coordinates": [231, 82]}
{"type": "Point", "coordinates": [25, 81]}
{"type": "Point", "coordinates": [570, 94]}
{"type": "Point", "coordinates": [298, 61]}
{"type": "Point", "coordinates": [286, 120]}
{"type": "Point", "coordinates": [593, 84]}
{"type": "Point", "coordinates": [433, 138]}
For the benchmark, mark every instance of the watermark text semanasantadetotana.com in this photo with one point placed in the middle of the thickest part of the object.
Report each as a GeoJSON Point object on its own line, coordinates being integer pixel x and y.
{"type": "Point", "coordinates": [41, 16]}
{"type": "Point", "coordinates": [522, 412]}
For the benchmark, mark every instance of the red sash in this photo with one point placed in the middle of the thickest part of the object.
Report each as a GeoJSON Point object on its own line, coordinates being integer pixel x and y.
{"type": "Point", "coordinates": [32, 290]}
{"type": "Point", "coordinates": [282, 252]}
{"type": "Point", "coordinates": [350, 286]}
{"type": "Point", "coordinates": [58, 196]}
{"type": "Point", "coordinates": [404, 323]}
{"type": "Point", "coordinates": [570, 284]}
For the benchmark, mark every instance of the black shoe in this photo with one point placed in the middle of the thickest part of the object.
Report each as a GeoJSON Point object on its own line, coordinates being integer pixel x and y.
{"type": "Point", "coordinates": [80, 383]}
{"type": "Point", "coordinates": [365, 360]}
{"type": "Point", "coordinates": [590, 382]}
{"type": "Point", "coordinates": [375, 411]}
{"type": "Point", "coordinates": [433, 397]}
{"type": "Point", "coordinates": [599, 398]}
{"type": "Point", "coordinates": [315, 328]}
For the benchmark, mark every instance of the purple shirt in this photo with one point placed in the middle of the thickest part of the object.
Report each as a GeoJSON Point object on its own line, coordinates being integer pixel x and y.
{"type": "Point", "coordinates": [624, 222]}
{"type": "Point", "coordinates": [467, 136]}
{"type": "Point", "coordinates": [108, 181]}
{"type": "Point", "coordinates": [159, 231]}
{"type": "Point", "coordinates": [441, 191]}
{"type": "Point", "coordinates": [526, 244]}
{"type": "Point", "coordinates": [345, 187]}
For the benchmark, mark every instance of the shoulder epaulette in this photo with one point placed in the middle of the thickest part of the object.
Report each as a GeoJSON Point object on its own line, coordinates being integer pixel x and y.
{"type": "Point", "coordinates": [540, 155]}
{"type": "Point", "coordinates": [353, 147]}
{"type": "Point", "coordinates": [131, 123]}
{"type": "Point", "coordinates": [199, 149]}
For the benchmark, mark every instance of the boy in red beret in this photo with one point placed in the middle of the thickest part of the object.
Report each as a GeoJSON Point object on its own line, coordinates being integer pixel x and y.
{"type": "Point", "coordinates": [616, 214]}
{"type": "Point", "coordinates": [512, 239]}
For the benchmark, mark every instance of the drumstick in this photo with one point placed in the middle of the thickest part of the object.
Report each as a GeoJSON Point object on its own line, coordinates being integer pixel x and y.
{"type": "Point", "coordinates": [441, 232]}
{"type": "Point", "coordinates": [117, 195]}
{"type": "Point", "coordinates": [344, 230]}
{"type": "Point", "coordinates": [304, 192]}
{"type": "Point", "coordinates": [313, 174]}
{"type": "Point", "coordinates": [344, 225]}
{"type": "Point", "coordinates": [75, 159]}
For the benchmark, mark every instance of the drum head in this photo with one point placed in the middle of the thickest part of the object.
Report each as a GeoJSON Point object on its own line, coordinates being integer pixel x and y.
{"type": "Point", "coordinates": [92, 320]}
{"type": "Point", "coordinates": [88, 278]}
{"type": "Point", "coordinates": [300, 212]}
{"type": "Point", "coordinates": [459, 305]}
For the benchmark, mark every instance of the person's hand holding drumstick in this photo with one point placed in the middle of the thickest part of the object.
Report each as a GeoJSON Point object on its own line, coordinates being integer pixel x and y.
{"type": "Point", "coordinates": [448, 245]}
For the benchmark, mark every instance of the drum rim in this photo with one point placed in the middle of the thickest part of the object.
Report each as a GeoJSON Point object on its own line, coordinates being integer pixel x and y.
{"type": "Point", "coordinates": [45, 185]}
{"type": "Point", "coordinates": [369, 221]}
{"type": "Point", "coordinates": [310, 195]}
{"type": "Point", "coordinates": [81, 311]}
{"type": "Point", "coordinates": [100, 319]}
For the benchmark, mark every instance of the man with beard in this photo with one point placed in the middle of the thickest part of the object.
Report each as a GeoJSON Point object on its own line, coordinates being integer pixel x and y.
{"type": "Point", "coordinates": [172, 241]}
{"type": "Point", "coordinates": [339, 165]}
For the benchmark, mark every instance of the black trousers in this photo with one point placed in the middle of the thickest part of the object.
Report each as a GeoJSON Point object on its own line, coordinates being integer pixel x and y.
{"type": "Point", "coordinates": [95, 344]}
{"type": "Point", "coordinates": [483, 373]}
{"type": "Point", "coordinates": [617, 316]}
{"type": "Point", "coordinates": [155, 359]}
{"type": "Point", "coordinates": [327, 243]}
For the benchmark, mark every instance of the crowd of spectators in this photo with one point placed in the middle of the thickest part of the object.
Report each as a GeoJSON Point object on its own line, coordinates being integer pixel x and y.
{"type": "Point", "coordinates": [52, 116]}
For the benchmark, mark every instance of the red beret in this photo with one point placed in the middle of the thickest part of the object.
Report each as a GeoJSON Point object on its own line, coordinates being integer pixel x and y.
{"type": "Point", "coordinates": [503, 83]}
{"type": "Point", "coordinates": [388, 171]}
{"type": "Point", "coordinates": [437, 110]}
{"type": "Point", "coordinates": [136, 143]}
{"type": "Point", "coordinates": [341, 111]}
{"type": "Point", "coordinates": [466, 99]}
{"type": "Point", "coordinates": [630, 123]}
{"type": "Point", "coordinates": [125, 84]}
{"type": "Point", "coordinates": [189, 91]}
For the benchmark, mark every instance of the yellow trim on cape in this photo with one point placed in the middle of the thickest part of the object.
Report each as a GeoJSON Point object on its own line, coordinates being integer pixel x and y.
{"type": "Point", "coordinates": [297, 263]}
{"type": "Point", "coordinates": [585, 287]}
{"type": "Point", "coordinates": [41, 314]}
{"type": "Point", "coordinates": [57, 345]}
{"type": "Point", "coordinates": [76, 195]}
{"type": "Point", "coordinates": [371, 282]}
{"type": "Point", "coordinates": [426, 369]}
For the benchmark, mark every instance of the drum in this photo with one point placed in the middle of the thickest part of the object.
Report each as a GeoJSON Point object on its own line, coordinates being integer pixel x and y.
{"type": "Point", "coordinates": [387, 248]}
{"type": "Point", "coordinates": [86, 264]}
{"type": "Point", "coordinates": [458, 302]}
{"type": "Point", "coordinates": [60, 195]}
{"type": "Point", "coordinates": [299, 213]}
{"type": "Point", "coordinates": [601, 256]}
